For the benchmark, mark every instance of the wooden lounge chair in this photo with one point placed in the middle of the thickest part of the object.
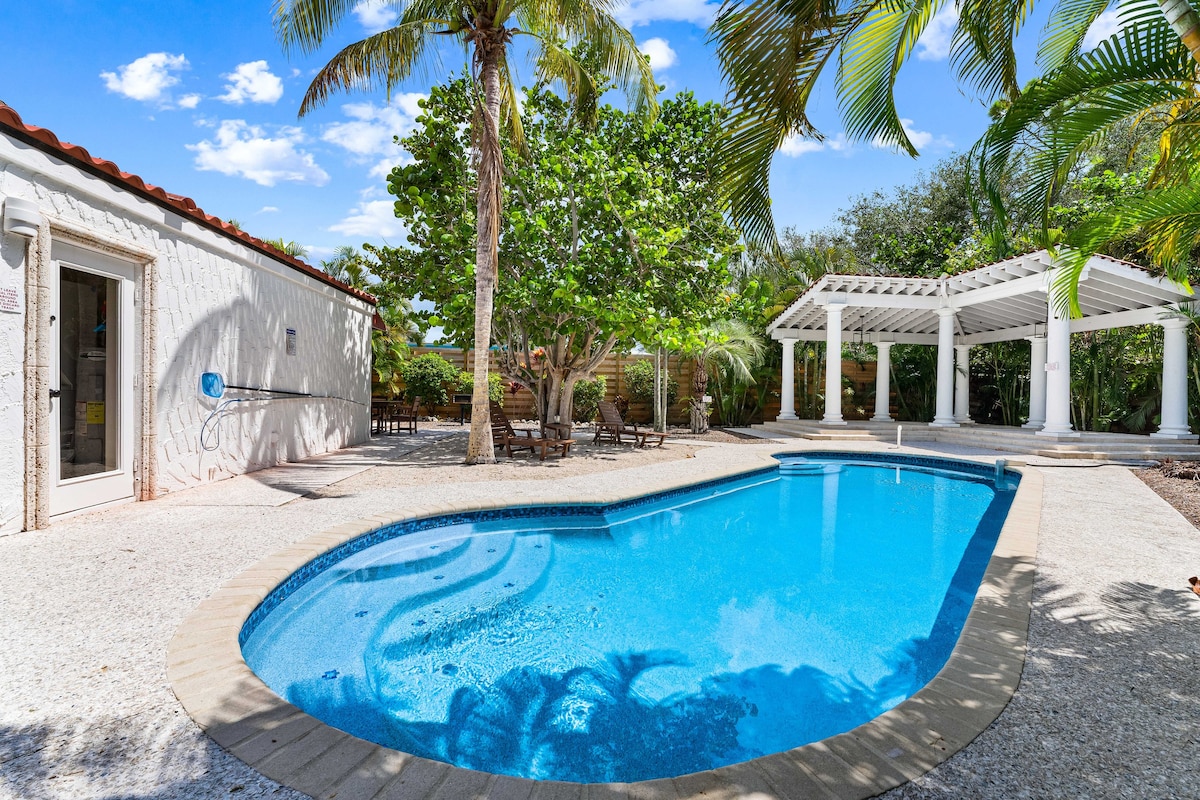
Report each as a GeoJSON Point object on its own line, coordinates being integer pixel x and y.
{"type": "Point", "coordinates": [504, 435]}
{"type": "Point", "coordinates": [401, 418]}
{"type": "Point", "coordinates": [610, 426]}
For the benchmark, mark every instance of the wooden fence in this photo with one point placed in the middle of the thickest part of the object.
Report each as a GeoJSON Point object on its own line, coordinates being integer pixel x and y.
{"type": "Point", "coordinates": [859, 377]}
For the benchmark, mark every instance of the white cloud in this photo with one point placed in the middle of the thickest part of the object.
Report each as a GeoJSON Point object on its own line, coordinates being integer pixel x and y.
{"type": "Point", "coordinates": [376, 15]}
{"type": "Point", "coordinates": [919, 139]}
{"type": "Point", "coordinates": [373, 219]}
{"type": "Point", "coordinates": [1102, 28]}
{"type": "Point", "coordinates": [934, 44]}
{"type": "Point", "coordinates": [147, 78]}
{"type": "Point", "coordinates": [189, 101]}
{"type": "Point", "coordinates": [642, 12]}
{"type": "Point", "coordinates": [267, 210]}
{"type": "Point", "coordinates": [252, 81]}
{"type": "Point", "coordinates": [371, 128]}
{"type": "Point", "coordinates": [247, 151]}
{"type": "Point", "coordinates": [796, 146]}
{"type": "Point", "coordinates": [659, 52]}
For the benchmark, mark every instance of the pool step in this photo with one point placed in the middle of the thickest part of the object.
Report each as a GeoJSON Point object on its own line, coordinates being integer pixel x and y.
{"type": "Point", "coordinates": [408, 647]}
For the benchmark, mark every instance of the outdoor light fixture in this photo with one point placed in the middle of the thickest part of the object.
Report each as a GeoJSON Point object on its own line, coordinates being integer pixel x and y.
{"type": "Point", "coordinates": [21, 217]}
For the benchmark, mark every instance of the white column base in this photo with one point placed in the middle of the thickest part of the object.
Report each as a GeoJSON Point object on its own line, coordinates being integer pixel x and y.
{"type": "Point", "coordinates": [1174, 433]}
{"type": "Point", "coordinates": [786, 416]}
{"type": "Point", "coordinates": [943, 424]}
{"type": "Point", "coordinates": [1061, 433]}
{"type": "Point", "coordinates": [838, 421]}
{"type": "Point", "coordinates": [882, 419]}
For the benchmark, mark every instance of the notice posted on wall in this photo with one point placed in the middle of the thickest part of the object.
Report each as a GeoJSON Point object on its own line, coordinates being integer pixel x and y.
{"type": "Point", "coordinates": [291, 341]}
{"type": "Point", "coordinates": [12, 299]}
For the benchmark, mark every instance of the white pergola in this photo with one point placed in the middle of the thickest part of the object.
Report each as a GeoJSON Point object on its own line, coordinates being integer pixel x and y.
{"type": "Point", "coordinates": [1001, 302]}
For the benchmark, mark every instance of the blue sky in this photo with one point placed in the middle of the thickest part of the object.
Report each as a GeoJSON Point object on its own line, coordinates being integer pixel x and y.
{"type": "Point", "coordinates": [197, 97]}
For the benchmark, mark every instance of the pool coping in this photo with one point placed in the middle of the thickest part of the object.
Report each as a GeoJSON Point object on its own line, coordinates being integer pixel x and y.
{"type": "Point", "coordinates": [240, 713]}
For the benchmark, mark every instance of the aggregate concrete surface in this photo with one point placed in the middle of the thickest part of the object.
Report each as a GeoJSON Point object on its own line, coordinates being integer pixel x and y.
{"type": "Point", "coordinates": [1108, 705]}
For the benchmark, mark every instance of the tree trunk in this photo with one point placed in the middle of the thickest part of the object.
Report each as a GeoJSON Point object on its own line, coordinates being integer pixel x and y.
{"type": "Point", "coordinates": [1184, 20]}
{"type": "Point", "coordinates": [699, 410]}
{"type": "Point", "coordinates": [487, 220]}
{"type": "Point", "coordinates": [659, 420]}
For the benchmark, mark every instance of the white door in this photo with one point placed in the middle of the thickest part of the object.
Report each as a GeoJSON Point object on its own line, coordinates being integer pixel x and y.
{"type": "Point", "coordinates": [91, 379]}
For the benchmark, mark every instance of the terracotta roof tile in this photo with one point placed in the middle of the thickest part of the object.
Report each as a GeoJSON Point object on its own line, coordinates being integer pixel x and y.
{"type": "Point", "coordinates": [46, 141]}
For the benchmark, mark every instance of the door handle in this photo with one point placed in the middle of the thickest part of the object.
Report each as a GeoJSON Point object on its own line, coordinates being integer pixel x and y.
{"type": "Point", "coordinates": [55, 393]}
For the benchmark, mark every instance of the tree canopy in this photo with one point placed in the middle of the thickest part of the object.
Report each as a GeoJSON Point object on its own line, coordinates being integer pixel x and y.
{"type": "Point", "coordinates": [611, 235]}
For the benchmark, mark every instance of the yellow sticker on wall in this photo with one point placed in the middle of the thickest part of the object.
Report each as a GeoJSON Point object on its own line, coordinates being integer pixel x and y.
{"type": "Point", "coordinates": [95, 413]}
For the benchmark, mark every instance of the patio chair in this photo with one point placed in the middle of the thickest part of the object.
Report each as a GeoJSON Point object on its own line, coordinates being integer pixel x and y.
{"type": "Point", "coordinates": [401, 418]}
{"type": "Point", "coordinates": [510, 438]}
{"type": "Point", "coordinates": [612, 427]}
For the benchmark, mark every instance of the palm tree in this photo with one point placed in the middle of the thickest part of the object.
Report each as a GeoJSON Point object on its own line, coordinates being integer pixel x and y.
{"type": "Point", "coordinates": [485, 29]}
{"type": "Point", "coordinates": [774, 54]}
{"type": "Point", "coordinates": [293, 249]}
{"type": "Point", "coordinates": [349, 266]}
{"type": "Point", "coordinates": [1145, 76]}
{"type": "Point", "coordinates": [731, 345]}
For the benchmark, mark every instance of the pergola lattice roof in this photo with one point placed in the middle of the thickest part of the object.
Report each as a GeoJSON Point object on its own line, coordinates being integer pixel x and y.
{"type": "Point", "coordinates": [999, 302]}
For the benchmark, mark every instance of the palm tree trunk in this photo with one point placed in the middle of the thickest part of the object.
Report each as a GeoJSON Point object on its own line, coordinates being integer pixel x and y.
{"type": "Point", "coordinates": [487, 220]}
{"type": "Point", "coordinates": [1184, 20]}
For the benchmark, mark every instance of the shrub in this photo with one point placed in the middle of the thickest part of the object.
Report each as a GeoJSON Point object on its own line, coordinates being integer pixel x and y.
{"type": "Point", "coordinates": [588, 395]}
{"type": "Point", "coordinates": [466, 385]}
{"type": "Point", "coordinates": [639, 382]}
{"type": "Point", "coordinates": [426, 377]}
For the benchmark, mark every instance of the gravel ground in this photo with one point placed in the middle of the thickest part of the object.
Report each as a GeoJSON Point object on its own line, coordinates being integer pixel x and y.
{"type": "Point", "coordinates": [1182, 493]}
{"type": "Point", "coordinates": [1107, 707]}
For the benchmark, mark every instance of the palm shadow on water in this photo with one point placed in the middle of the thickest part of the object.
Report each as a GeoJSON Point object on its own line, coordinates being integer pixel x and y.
{"type": "Point", "coordinates": [592, 724]}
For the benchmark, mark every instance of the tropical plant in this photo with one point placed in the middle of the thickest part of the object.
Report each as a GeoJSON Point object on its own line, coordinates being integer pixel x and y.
{"type": "Point", "coordinates": [293, 249]}
{"type": "Point", "coordinates": [350, 266]}
{"type": "Point", "coordinates": [731, 346]}
{"type": "Point", "coordinates": [588, 395]}
{"type": "Point", "coordinates": [638, 379]}
{"type": "Point", "coordinates": [426, 377]}
{"type": "Point", "coordinates": [1144, 77]}
{"type": "Point", "coordinates": [774, 55]}
{"type": "Point", "coordinates": [486, 30]}
{"type": "Point", "coordinates": [496, 386]}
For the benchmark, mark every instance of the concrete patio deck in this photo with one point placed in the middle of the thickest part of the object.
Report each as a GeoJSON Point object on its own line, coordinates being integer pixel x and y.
{"type": "Point", "coordinates": [1106, 706]}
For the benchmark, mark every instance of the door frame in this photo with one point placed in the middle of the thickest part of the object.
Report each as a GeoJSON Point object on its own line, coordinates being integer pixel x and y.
{"type": "Point", "coordinates": [90, 491]}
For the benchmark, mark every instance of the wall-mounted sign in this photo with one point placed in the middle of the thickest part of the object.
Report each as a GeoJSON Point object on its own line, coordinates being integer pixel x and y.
{"type": "Point", "coordinates": [1051, 366]}
{"type": "Point", "coordinates": [11, 300]}
{"type": "Point", "coordinates": [95, 413]}
{"type": "Point", "coordinates": [291, 341]}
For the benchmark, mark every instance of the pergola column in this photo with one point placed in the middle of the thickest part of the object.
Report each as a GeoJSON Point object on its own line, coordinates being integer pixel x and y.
{"type": "Point", "coordinates": [944, 413]}
{"type": "Point", "coordinates": [883, 382]}
{"type": "Point", "coordinates": [1058, 373]}
{"type": "Point", "coordinates": [1037, 382]}
{"type": "Point", "coordinates": [962, 384]}
{"type": "Point", "coordinates": [1174, 421]}
{"type": "Point", "coordinates": [787, 386]}
{"type": "Point", "coordinates": [833, 365]}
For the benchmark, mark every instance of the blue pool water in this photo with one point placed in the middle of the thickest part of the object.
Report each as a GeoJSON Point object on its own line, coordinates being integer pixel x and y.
{"type": "Point", "coordinates": [644, 640]}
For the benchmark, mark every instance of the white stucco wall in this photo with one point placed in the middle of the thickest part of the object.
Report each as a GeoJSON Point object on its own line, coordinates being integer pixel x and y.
{"type": "Point", "coordinates": [219, 306]}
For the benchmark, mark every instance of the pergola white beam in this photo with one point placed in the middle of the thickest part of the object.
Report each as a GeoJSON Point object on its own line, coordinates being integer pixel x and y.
{"type": "Point", "coordinates": [779, 334]}
{"type": "Point", "coordinates": [854, 300]}
{"type": "Point", "coordinates": [999, 291]}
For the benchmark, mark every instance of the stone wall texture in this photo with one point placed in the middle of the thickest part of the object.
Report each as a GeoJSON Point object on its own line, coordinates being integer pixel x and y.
{"type": "Point", "coordinates": [215, 305]}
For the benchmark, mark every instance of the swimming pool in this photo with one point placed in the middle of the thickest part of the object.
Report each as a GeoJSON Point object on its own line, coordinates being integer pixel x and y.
{"type": "Point", "coordinates": [651, 638]}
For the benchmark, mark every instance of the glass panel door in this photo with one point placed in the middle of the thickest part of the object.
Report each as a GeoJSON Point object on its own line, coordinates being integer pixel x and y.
{"type": "Point", "coordinates": [88, 306]}
{"type": "Point", "coordinates": [91, 379]}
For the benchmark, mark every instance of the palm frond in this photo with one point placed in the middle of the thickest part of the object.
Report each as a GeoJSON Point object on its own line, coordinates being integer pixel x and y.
{"type": "Point", "coordinates": [383, 60]}
{"type": "Point", "coordinates": [870, 62]}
